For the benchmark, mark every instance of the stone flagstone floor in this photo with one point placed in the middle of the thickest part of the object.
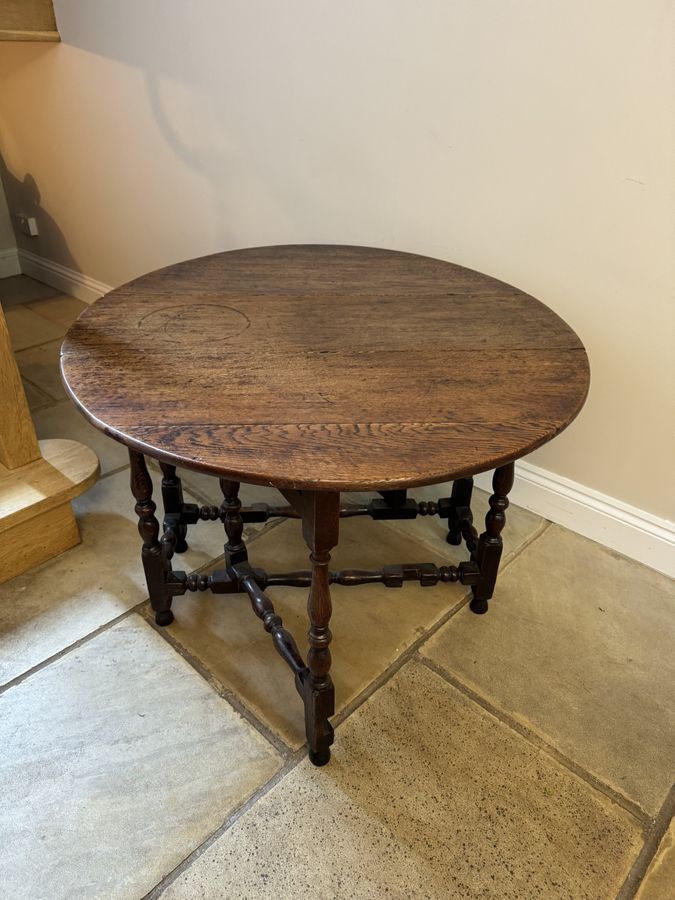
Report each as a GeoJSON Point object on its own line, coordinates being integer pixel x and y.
{"type": "Point", "coordinates": [528, 753]}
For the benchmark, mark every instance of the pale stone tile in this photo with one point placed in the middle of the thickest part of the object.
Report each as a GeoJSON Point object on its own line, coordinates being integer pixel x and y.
{"type": "Point", "coordinates": [27, 329]}
{"type": "Point", "coordinates": [372, 625]}
{"type": "Point", "coordinates": [117, 761]}
{"type": "Point", "coordinates": [521, 525]}
{"type": "Point", "coordinates": [62, 309]}
{"type": "Point", "coordinates": [66, 598]}
{"type": "Point", "coordinates": [659, 882]}
{"type": "Point", "coordinates": [578, 644]}
{"type": "Point", "coordinates": [36, 398]}
{"type": "Point", "coordinates": [427, 796]}
{"type": "Point", "coordinates": [62, 420]}
{"type": "Point", "coordinates": [23, 289]}
{"type": "Point", "coordinates": [40, 365]}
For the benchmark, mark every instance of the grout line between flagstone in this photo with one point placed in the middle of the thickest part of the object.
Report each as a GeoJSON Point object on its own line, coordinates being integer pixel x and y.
{"type": "Point", "coordinates": [137, 608]}
{"type": "Point", "coordinates": [234, 816]}
{"type": "Point", "coordinates": [540, 743]}
{"type": "Point", "coordinates": [412, 649]}
{"type": "Point", "coordinates": [42, 343]}
{"type": "Point", "coordinates": [650, 848]}
{"type": "Point", "coordinates": [114, 472]}
{"type": "Point", "coordinates": [215, 684]}
{"type": "Point", "coordinates": [52, 400]}
{"type": "Point", "coordinates": [64, 651]}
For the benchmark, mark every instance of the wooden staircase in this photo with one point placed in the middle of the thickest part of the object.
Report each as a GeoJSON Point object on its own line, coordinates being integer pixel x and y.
{"type": "Point", "coordinates": [27, 20]}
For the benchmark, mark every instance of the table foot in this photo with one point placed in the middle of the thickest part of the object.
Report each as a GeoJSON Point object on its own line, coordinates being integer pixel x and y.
{"type": "Point", "coordinates": [164, 617]}
{"type": "Point", "coordinates": [319, 758]}
{"type": "Point", "coordinates": [479, 607]}
{"type": "Point", "coordinates": [319, 700]}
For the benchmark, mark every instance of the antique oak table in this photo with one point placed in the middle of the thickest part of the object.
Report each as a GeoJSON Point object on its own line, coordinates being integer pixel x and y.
{"type": "Point", "coordinates": [322, 370]}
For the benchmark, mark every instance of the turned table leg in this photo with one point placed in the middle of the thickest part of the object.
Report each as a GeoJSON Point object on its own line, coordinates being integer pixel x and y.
{"type": "Point", "coordinates": [235, 549]}
{"type": "Point", "coordinates": [489, 550]}
{"type": "Point", "coordinates": [172, 497]}
{"type": "Point", "coordinates": [320, 524]}
{"type": "Point", "coordinates": [148, 527]}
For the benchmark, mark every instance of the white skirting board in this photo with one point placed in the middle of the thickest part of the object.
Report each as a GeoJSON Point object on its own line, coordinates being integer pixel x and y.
{"type": "Point", "coordinates": [9, 262]}
{"type": "Point", "coordinates": [613, 523]}
{"type": "Point", "coordinates": [623, 528]}
{"type": "Point", "coordinates": [61, 277]}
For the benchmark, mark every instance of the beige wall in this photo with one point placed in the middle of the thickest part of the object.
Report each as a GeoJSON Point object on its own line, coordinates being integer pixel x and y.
{"type": "Point", "coordinates": [7, 240]}
{"type": "Point", "coordinates": [532, 140]}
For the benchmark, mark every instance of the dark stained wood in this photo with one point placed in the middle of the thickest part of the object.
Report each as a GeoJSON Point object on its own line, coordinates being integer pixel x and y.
{"type": "Point", "coordinates": [460, 509]}
{"type": "Point", "coordinates": [489, 549]}
{"type": "Point", "coordinates": [318, 370]}
{"type": "Point", "coordinates": [320, 526]}
{"type": "Point", "coordinates": [235, 549]}
{"type": "Point", "coordinates": [326, 368]}
{"type": "Point", "coordinates": [284, 642]}
{"type": "Point", "coordinates": [154, 561]}
{"type": "Point", "coordinates": [172, 498]}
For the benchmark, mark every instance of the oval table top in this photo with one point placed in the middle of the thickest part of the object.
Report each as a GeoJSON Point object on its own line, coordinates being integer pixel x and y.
{"type": "Point", "coordinates": [325, 368]}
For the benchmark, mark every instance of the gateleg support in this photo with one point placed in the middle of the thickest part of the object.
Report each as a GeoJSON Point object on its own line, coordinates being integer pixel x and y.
{"type": "Point", "coordinates": [172, 498]}
{"type": "Point", "coordinates": [459, 509]}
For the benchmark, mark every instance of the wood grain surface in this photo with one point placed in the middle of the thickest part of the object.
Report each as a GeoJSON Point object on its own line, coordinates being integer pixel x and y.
{"type": "Point", "coordinates": [325, 368]}
{"type": "Point", "coordinates": [18, 441]}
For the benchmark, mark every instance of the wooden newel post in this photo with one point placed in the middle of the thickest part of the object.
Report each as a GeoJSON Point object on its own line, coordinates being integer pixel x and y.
{"type": "Point", "coordinates": [18, 442]}
{"type": "Point", "coordinates": [37, 479]}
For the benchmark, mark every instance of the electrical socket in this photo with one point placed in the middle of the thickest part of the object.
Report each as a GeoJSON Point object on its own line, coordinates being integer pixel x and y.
{"type": "Point", "coordinates": [28, 225]}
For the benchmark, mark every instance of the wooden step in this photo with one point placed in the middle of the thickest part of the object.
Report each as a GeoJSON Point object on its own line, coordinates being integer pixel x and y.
{"type": "Point", "coordinates": [36, 519]}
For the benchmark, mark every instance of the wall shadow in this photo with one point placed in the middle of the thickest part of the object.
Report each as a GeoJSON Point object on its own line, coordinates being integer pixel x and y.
{"type": "Point", "coordinates": [23, 198]}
